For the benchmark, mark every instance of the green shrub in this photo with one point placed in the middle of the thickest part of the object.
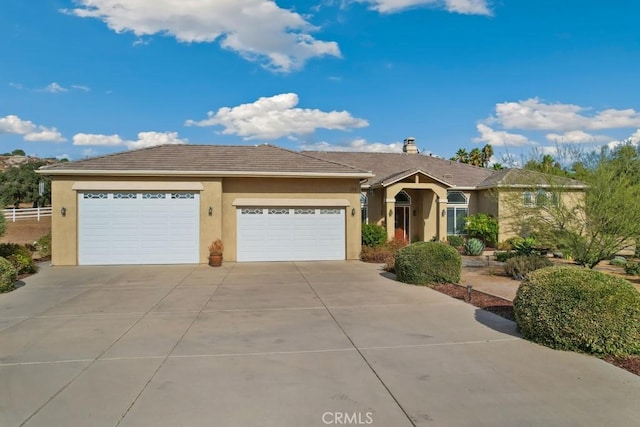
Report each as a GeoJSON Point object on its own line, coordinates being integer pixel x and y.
{"type": "Point", "coordinates": [8, 276]}
{"type": "Point", "coordinates": [455, 241]}
{"type": "Point", "coordinates": [482, 226]}
{"type": "Point", "coordinates": [44, 245]}
{"type": "Point", "coordinates": [632, 268]}
{"type": "Point", "coordinates": [424, 263]}
{"type": "Point", "coordinates": [618, 261]}
{"type": "Point", "coordinates": [373, 235]}
{"type": "Point", "coordinates": [3, 225]}
{"type": "Point", "coordinates": [578, 309]}
{"type": "Point", "coordinates": [8, 249]}
{"type": "Point", "coordinates": [473, 247]}
{"type": "Point", "coordinates": [23, 264]}
{"type": "Point", "coordinates": [519, 266]}
{"type": "Point", "coordinates": [504, 256]}
{"type": "Point", "coordinates": [525, 247]}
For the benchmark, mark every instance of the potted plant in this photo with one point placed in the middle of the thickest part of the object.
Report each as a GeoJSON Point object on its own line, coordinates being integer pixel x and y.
{"type": "Point", "coordinates": [215, 253]}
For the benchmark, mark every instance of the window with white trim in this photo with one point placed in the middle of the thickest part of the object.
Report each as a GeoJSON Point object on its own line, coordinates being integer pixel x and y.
{"type": "Point", "coordinates": [364, 208]}
{"type": "Point", "coordinates": [457, 211]}
{"type": "Point", "coordinates": [540, 198]}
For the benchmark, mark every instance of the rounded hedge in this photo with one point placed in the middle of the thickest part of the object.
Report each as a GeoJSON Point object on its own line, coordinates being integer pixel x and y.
{"type": "Point", "coordinates": [8, 275]}
{"type": "Point", "coordinates": [572, 308]}
{"type": "Point", "coordinates": [424, 263]}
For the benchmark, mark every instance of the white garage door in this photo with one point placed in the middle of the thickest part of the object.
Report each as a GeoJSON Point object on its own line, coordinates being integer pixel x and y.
{"type": "Point", "coordinates": [291, 234]}
{"type": "Point", "coordinates": [138, 228]}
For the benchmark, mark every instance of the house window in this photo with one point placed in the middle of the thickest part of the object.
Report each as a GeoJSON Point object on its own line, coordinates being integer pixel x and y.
{"type": "Point", "coordinates": [457, 198]}
{"type": "Point", "coordinates": [403, 199]}
{"type": "Point", "coordinates": [456, 219]}
{"type": "Point", "coordinates": [456, 214]}
{"type": "Point", "coordinates": [364, 208]}
{"type": "Point", "coordinates": [540, 198]}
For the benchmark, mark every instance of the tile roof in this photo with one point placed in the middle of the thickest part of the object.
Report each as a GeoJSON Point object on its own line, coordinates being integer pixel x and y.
{"type": "Point", "coordinates": [523, 177]}
{"type": "Point", "coordinates": [261, 159]}
{"type": "Point", "coordinates": [386, 166]}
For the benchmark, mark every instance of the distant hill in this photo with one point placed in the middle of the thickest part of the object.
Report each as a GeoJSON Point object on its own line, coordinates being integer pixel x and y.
{"type": "Point", "coordinates": [7, 162]}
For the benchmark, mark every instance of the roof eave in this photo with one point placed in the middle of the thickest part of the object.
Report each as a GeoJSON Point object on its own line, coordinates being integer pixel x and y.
{"type": "Point", "coordinates": [211, 174]}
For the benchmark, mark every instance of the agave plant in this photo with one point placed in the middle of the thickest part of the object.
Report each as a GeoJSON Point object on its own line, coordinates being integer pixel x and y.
{"type": "Point", "coordinates": [473, 247]}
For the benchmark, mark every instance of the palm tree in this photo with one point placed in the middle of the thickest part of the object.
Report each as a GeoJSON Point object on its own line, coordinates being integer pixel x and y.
{"type": "Point", "coordinates": [475, 157]}
{"type": "Point", "coordinates": [497, 166]}
{"type": "Point", "coordinates": [461, 156]}
{"type": "Point", "coordinates": [487, 152]}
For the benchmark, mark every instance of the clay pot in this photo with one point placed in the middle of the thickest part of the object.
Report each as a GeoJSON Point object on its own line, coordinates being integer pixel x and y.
{"type": "Point", "coordinates": [215, 260]}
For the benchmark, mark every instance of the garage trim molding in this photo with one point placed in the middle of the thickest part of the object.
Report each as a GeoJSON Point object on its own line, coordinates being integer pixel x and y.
{"type": "Point", "coordinates": [137, 185]}
{"type": "Point", "coordinates": [290, 202]}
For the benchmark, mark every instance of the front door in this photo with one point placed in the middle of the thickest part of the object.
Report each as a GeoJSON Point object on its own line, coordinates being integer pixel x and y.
{"type": "Point", "coordinates": [402, 223]}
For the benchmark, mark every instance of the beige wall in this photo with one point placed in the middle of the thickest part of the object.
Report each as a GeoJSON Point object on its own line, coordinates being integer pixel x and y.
{"type": "Point", "coordinates": [234, 188]}
{"type": "Point", "coordinates": [222, 224]}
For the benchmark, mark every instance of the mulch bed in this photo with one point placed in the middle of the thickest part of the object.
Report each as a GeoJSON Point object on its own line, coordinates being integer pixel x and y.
{"type": "Point", "coordinates": [504, 308]}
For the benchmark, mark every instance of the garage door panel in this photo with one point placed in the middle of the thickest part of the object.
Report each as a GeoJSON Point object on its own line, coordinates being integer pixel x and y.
{"type": "Point", "coordinates": [290, 234]}
{"type": "Point", "coordinates": [138, 228]}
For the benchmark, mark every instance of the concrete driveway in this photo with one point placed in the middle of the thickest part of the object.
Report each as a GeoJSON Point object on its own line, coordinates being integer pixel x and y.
{"type": "Point", "coordinates": [281, 344]}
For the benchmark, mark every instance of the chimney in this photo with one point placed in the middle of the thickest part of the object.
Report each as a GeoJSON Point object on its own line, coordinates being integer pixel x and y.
{"type": "Point", "coordinates": [410, 146]}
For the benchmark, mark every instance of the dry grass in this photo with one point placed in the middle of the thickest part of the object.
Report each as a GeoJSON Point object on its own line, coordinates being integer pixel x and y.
{"type": "Point", "coordinates": [26, 231]}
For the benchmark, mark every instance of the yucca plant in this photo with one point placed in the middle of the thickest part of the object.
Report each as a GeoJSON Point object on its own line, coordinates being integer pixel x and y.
{"type": "Point", "coordinates": [473, 247]}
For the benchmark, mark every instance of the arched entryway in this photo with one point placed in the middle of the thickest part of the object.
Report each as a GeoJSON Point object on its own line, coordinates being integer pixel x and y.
{"type": "Point", "coordinates": [402, 217]}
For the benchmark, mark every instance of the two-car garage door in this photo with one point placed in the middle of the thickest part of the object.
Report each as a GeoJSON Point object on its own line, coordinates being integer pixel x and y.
{"type": "Point", "coordinates": [155, 227]}
{"type": "Point", "coordinates": [291, 233]}
{"type": "Point", "coordinates": [131, 227]}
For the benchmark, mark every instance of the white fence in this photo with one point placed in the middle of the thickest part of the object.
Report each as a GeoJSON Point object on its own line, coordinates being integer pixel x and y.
{"type": "Point", "coordinates": [14, 215]}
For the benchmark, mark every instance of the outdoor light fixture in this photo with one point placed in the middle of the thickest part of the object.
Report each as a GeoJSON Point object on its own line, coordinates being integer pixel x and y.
{"type": "Point", "coordinates": [390, 212]}
{"type": "Point", "coordinates": [210, 211]}
{"type": "Point", "coordinates": [63, 211]}
{"type": "Point", "coordinates": [444, 212]}
{"type": "Point", "coordinates": [414, 212]}
{"type": "Point", "coordinates": [353, 211]}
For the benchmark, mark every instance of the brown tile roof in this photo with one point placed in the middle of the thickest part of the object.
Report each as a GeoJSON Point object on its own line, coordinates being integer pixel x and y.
{"type": "Point", "coordinates": [386, 166]}
{"type": "Point", "coordinates": [527, 178]}
{"type": "Point", "coordinates": [260, 159]}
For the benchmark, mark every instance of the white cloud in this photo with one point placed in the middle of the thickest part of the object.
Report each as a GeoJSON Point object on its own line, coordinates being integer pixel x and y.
{"type": "Point", "coordinates": [276, 117]}
{"type": "Point", "coordinates": [466, 7]}
{"type": "Point", "coordinates": [532, 114]}
{"type": "Point", "coordinates": [83, 88]}
{"type": "Point", "coordinates": [499, 138]}
{"type": "Point", "coordinates": [360, 145]}
{"type": "Point", "coordinates": [145, 139]}
{"type": "Point", "coordinates": [258, 30]}
{"type": "Point", "coordinates": [55, 88]}
{"type": "Point", "coordinates": [13, 124]}
{"type": "Point", "coordinates": [97, 139]}
{"type": "Point", "coordinates": [576, 137]}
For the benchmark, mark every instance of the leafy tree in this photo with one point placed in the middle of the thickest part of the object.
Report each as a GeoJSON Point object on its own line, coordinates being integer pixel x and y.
{"type": "Point", "coordinates": [593, 226]}
{"type": "Point", "coordinates": [497, 166]}
{"type": "Point", "coordinates": [21, 185]}
{"type": "Point", "coordinates": [18, 152]}
{"type": "Point", "coordinates": [477, 156]}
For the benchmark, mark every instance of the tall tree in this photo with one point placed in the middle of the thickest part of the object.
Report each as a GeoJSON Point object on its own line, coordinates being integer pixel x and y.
{"type": "Point", "coordinates": [487, 153]}
{"type": "Point", "coordinates": [21, 185]}
{"type": "Point", "coordinates": [461, 156]}
{"type": "Point", "coordinates": [475, 157]}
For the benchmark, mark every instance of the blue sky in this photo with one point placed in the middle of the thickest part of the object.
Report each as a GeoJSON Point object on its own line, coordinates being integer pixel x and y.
{"type": "Point", "coordinates": [90, 77]}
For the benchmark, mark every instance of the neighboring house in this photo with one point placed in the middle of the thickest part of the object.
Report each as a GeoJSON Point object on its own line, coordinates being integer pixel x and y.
{"type": "Point", "coordinates": [419, 198]}
{"type": "Point", "coordinates": [166, 204]}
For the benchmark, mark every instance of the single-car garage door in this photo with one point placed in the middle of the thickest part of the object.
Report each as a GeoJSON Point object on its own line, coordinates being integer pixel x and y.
{"type": "Point", "coordinates": [291, 234]}
{"type": "Point", "coordinates": [138, 228]}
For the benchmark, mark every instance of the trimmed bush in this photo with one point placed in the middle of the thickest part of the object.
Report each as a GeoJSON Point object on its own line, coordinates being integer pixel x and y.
{"type": "Point", "coordinates": [578, 309]}
{"type": "Point", "coordinates": [632, 268]}
{"type": "Point", "coordinates": [473, 247]}
{"type": "Point", "coordinates": [504, 256]}
{"type": "Point", "coordinates": [519, 266]}
{"type": "Point", "coordinates": [8, 276]}
{"type": "Point", "coordinates": [424, 263]}
{"type": "Point", "coordinates": [618, 261]}
{"type": "Point", "coordinates": [373, 235]}
{"type": "Point", "coordinates": [455, 241]}
{"type": "Point", "coordinates": [19, 256]}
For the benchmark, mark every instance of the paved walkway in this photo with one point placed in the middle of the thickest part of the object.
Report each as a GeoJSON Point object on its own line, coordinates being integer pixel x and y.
{"type": "Point", "coordinates": [281, 344]}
